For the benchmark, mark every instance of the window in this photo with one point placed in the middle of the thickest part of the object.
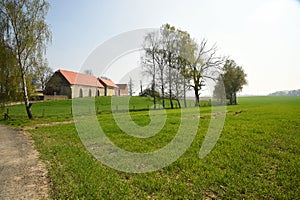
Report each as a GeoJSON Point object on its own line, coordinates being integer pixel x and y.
{"type": "Point", "coordinates": [80, 93]}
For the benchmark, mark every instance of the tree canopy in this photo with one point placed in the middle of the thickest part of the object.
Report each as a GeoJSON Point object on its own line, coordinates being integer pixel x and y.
{"type": "Point", "coordinates": [233, 78]}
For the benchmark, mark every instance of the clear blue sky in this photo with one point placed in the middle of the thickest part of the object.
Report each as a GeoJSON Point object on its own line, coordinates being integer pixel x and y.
{"type": "Point", "coordinates": [260, 35]}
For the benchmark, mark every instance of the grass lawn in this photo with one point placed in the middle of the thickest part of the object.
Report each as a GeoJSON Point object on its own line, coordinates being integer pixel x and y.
{"type": "Point", "coordinates": [256, 157]}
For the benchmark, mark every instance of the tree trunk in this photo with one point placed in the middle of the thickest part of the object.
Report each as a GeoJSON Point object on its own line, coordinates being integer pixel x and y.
{"type": "Point", "coordinates": [178, 101]}
{"type": "Point", "coordinates": [153, 84]}
{"type": "Point", "coordinates": [26, 99]}
{"type": "Point", "coordinates": [162, 91]}
{"type": "Point", "coordinates": [230, 99]}
{"type": "Point", "coordinates": [154, 96]}
{"type": "Point", "coordinates": [170, 86]}
{"type": "Point", "coordinates": [141, 86]}
{"type": "Point", "coordinates": [197, 99]}
{"type": "Point", "coordinates": [163, 99]}
{"type": "Point", "coordinates": [170, 97]}
{"type": "Point", "coordinates": [234, 99]}
{"type": "Point", "coordinates": [184, 93]}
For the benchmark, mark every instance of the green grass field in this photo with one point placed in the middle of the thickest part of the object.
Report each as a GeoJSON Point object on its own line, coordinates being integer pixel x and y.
{"type": "Point", "coordinates": [256, 157]}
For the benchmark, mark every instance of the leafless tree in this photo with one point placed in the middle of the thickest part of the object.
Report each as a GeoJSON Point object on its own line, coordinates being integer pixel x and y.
{"type": "Point", "coordinates": [203, 64]}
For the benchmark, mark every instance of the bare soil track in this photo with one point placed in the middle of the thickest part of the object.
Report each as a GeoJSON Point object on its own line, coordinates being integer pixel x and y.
{"type": "Point", "coordinates": [22, 175]}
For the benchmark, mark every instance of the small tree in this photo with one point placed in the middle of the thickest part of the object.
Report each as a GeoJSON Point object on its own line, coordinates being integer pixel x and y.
{"type": "Point", "coordinates": [234, 79]}
{"type": "Point", "coordinates": [219, 91]}
{"type": "Point", "coordinates": [169, 56]}
{"type": "Point", "coordinates": [149, 60]}
{"type": "Point", "coordinates": [148, 92]}
{"type": "Point", "coordinates": [88, 72]}
{"type": "Point", "coordinates": [130, 87]}
{"type": "Point", "coordinates": [185, 47]}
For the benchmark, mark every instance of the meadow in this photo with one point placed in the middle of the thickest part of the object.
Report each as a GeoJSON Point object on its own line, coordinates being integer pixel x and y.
{"type": "Point", "coordinates": [256, 156]}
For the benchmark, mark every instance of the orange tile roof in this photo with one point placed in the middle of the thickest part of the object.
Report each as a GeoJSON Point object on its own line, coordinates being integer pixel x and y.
{"type": "Point", "coordinates": [75, 78]}
{"type": "Point", "coordinates": [107, 82]}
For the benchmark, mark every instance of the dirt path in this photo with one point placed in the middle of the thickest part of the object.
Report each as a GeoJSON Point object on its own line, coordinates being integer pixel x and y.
{"type": "Point", "coordinates": [22, 175]}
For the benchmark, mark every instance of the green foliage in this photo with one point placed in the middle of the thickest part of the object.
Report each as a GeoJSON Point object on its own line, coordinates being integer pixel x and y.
{"type": "Point", "coordinates": [26, 35]}
{"type": "Point", "coordinates": [10, 78]}
{"type": "Point", "coordinates": [149, 92]}
{"type": "Point", "coordinates": [250, 161]}
{"type": "Point", "coordinates": [232, 80]}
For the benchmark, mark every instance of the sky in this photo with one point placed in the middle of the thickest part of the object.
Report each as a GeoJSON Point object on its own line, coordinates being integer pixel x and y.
{"type": "Point", "coordinates": [262, 36]}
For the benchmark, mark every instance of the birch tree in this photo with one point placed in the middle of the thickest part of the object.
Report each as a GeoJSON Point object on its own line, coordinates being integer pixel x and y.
{"type": "Point", "coordinates": [150, 46]}
{"type": "Point", "coordinates": [28, 35]}
{"type": "Point", "coordinates": [130, 86]}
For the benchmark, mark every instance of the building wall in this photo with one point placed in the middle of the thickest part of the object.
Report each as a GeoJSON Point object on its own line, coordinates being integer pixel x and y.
{"type": "Point", "coordinates": [123, 92]}
{"type": "Point", "coordinates": [79, 91]}
{"type": "Point", "coordinates": [110, 91]}
{"type": "Point", "coordinates": [101, 91]}
{"type": "Point", "coordinates": [58, 85]}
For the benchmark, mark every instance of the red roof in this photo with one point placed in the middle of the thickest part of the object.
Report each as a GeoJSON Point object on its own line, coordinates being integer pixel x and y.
{"type": "Point", "coordinates": [75, 78]}
{"type": "Point", "coordinates": [108, 82]}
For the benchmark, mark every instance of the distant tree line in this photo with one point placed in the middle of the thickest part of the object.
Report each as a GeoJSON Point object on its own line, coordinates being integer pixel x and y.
{"type": "Point", "coordinates": [286, 93]}
{"type": "Point", "coordinates": [24, 35]}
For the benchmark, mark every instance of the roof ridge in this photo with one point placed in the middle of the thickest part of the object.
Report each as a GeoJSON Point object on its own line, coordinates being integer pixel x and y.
{"type": "Point", "coordinates": [77, 78]}
{"type": "Point", "coordinates": [76, 72]}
